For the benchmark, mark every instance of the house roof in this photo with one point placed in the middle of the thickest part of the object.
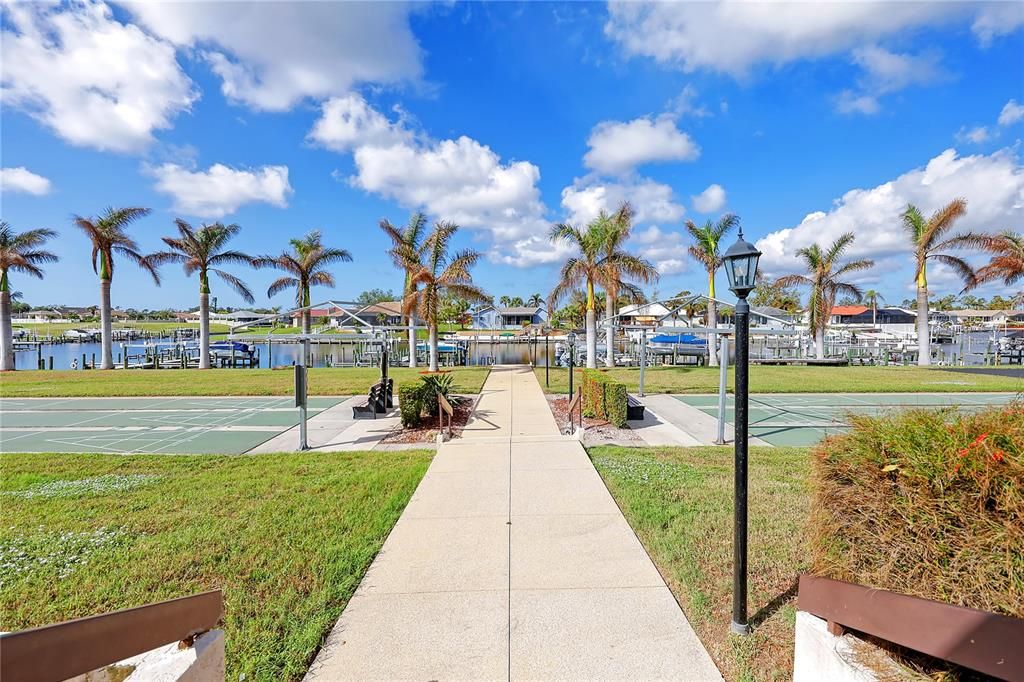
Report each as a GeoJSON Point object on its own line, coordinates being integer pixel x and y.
{"type": "Point", "coordinates": [242, 315]}
{"type": "Point", "coordinates": [385, 307]}
{"type": "Point", "coordinates": [849, 309]}
{"type": "Point", "coordinates": [521, 310]}
{"type": "Point", "coordinates": [982, 313]}
{"type": "Point", "coordinates": [43, 313]}
{"type": "Point", "coordinates": [643, 310]}
{"type": "Point", "coordinates": [771, 311]}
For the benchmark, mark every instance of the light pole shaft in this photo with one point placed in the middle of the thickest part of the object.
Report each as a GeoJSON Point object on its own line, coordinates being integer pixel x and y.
{"type": "Point", "coordinates": [739, 578]}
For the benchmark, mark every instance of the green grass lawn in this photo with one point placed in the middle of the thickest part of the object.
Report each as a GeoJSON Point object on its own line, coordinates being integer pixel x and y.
{"type": "Point", "coordinates": [680, 503]}
{"type": "Point", "coordinates": [192, 382]}
{"type": "Point", "coordinates": [286, 537]}
{"type": "Point", "coordinates": [58, 328]}
{"type": "Point", "coordinates": [768, 379]}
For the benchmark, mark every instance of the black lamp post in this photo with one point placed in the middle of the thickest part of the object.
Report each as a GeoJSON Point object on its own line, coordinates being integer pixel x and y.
{"type": "Point", "coordinates": [741, 268]}
{"type": "Point", "coordinates": [571, 338]}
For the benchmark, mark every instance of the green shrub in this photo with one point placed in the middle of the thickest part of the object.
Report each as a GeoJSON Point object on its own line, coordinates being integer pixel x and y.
{"type": "Point", "coordinates": [928, 503]}
{"type": "Point", "coordinates": [430, 386]}
{"type": "Point", "coordinates": [410, 403]}
{"type": "Point", "coordinates": [604, 397]}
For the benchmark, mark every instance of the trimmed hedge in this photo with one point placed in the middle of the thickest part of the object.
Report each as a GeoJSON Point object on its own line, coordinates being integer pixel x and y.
{"type": "Point", "coordinates": [928, 503]}
{"type": "Point", "coordinates": [410, 403]}
{"type": "Point", "coordinates": [604, 397]}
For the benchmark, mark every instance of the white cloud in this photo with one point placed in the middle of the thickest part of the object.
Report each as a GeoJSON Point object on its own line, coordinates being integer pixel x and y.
{"type": "Point", "coordinates": [1011, 113]}
{"type": "Point", "coordinates": [271, 55]}
{"type": "Point", "coordinates": [349, 122]}
{"type": "Point", "coordinates": [94, 81]}
{"type": "Point", "coordinates": [651, 201]}
{"type": "Point", "coordinates": [975, 135]}
{"type": "Point", "coordinates": [667, 250]}
{"type": "Point", "coordinates": [221, 190]}
{"type": "Point", "coordinates": [21, 179]}
{"type": "Point", "coordinates": [733, 36]}
{"type": "Point", "coordinates": [460, 180]}
{"type": "Point", "coordinates": [685, 104]}
{"type": "Point", "coordinates": [710, 200]}
{"type": "Point", "coordinates": [992, 184]}
{"type": "Point", "coordinates": [885, 72]}
{"type": "Point", "coordinates": [617, 147]}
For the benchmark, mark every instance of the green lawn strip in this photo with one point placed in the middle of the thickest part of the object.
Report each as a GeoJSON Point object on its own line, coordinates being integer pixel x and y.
{"type": "Point", "coordinates": [680, 503]}
{"type": "Point", "coordinates": [286, 536]}
{"type": "Point", "coordinates": [217, 382]}
{"type": "Point", "coordinates": [797, 379]}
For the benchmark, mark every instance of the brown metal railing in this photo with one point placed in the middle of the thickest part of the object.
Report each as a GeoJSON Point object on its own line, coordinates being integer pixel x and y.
{"type": "Point", "coordinates": [979, 640]}
{"type": "Point", "coordinates": [57, 652]}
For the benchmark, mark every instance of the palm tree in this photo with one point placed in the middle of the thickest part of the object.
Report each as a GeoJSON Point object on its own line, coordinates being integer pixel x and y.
{"type": "Point", "coordinates": [823, 273]}
{"type": "Point", "coordinates": [20, 252]}
{"type": "Point", "coordinates": [435, 276]}
{"type": "Point", "coordinates": [516, 302]}
{"type": "Point", "coordinates": [707, 240]}
{"type": "Point", "coordinates": [505, 301]}
{"type": "Point", "coordinates": [583, 270]}
{"type": "Point", "coordinates": [872, 297]}
{"type": "Point", "coordinates": [619, 268]}
{"type": "Point", "coordinates": [202, 251]}
{"type": "Point", "coordinates": [405, 242]}
{"type": "Point", "coordinates": [926, 236]}
{"type": "Point", "coordinates": [535, 301]}
{"type": "Point", "coordinates": [109, 236]}
{"type": "Point", "coordinates": [1007, 263]}
{"type": "Point", "coordinates": [305, 264]}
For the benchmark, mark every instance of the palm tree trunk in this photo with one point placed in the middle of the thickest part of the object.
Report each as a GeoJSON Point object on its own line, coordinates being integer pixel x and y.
{"type": "Point", "coordinates": [924, 356]}
{"type": "Point", "coordinates": [712, 338]}
{"type": "Point", "coordinates": [106, 331]}
{"type": "Point", "coordinates": [306, 314]}
{"type": "Point", "coordinates": [433, 347]}
{"type": "Point", "coordinates": [591, 338]}
{"type": "Point", "coordinates": [7, 333]}
{"type": "Point", "coordinates": [819, 343]}
{"type": "Point", "coordinates": [204, 330]}
{"type": "Point", "coordinates": [609, 332]}
{"type": "Point", "coordinates": [874, 314]}
{"type": "Point", "coordinates": [412, 342]}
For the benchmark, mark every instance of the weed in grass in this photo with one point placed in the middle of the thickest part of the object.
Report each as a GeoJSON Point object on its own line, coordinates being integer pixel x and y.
{"type": "Point", "coordinates": [95, 485]}
{"type": "Point", "coordinates": [53, 553]}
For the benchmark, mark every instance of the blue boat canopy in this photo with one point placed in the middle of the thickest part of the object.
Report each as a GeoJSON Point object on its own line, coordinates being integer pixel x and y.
{"type": "Point", "coordinates": [678, 338]}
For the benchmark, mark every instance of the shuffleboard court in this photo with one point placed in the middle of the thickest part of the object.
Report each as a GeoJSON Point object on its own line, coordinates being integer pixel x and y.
{"type": "Point", "coordinates": [180, 425]}
{"type": "Point", "coordinates": [805, 418]}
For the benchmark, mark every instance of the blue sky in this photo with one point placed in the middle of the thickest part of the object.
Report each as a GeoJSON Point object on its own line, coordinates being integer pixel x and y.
{"type": "Point", "coordinates": [807, 120]}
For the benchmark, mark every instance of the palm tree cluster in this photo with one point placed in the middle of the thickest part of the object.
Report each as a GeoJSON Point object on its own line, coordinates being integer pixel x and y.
{"type": "Point", "coordinates": [602, 261]}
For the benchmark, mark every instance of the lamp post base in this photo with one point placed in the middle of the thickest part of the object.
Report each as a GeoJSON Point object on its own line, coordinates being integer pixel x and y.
{"type": "Point", "coordinates": [739, 628]}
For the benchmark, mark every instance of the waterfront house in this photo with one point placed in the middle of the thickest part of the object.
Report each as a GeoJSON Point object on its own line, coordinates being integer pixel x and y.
{"type": "Point", "coordinates": [37, 316]}
{"type": "Point", "coordinates": [483, 317]}
{"type": "Point", "coordinates": [985, 318]}
{"type": "Point", "coordinates": [769, 317]}
{"type": "Point", "coordinates": [517, 317]}
{"type": "Point", "coordinates": [653, 315]}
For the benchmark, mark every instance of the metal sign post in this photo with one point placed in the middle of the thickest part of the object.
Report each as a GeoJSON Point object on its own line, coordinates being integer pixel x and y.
{"type": "Point", "coordinates": [643, 359]}
{"type": "Point", "coordinates": [301, 390]}
{"type": "Point", "coordinates": [723, 376]}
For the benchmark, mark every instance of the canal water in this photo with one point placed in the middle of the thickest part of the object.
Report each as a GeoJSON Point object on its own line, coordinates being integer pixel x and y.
{"type": "Point", "coordinates": [66, 355]}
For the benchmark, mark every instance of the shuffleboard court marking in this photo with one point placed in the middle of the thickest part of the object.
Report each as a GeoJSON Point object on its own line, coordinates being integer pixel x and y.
{"type": "Point", "coordinates": [158, 425]}
{"type": "Point", "coordinates": [803, 419]}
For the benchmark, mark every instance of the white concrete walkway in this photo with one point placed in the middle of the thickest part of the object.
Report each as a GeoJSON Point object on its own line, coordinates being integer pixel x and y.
{"type": "Point", "coordinates": [512, 561]}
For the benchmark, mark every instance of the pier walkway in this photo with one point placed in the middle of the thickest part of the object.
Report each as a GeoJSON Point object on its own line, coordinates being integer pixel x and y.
{"type": "Point", "coordinates": [512, 561]}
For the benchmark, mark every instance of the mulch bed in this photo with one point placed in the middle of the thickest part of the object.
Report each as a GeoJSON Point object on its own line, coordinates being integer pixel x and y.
{"type": "Point", "coordinates": [597, 431]}
{"type": "Point", "coordinates": [429, 427]}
